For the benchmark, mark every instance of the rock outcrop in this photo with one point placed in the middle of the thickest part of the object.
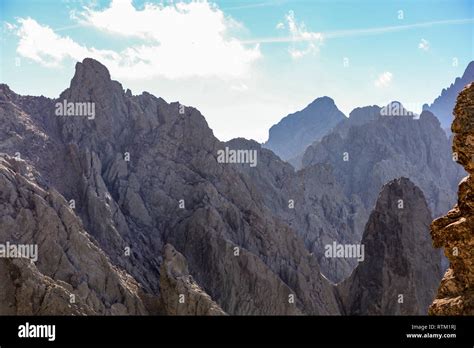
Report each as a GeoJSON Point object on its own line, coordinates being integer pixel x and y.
{"type": "Point", "coordinates": [311, 202]}
{"type": "Point", "coordinates": [401, 270]}
{"type": "Point", "coordinates": [455, 231]}
{"type": "Point", "coordinates": [70, 275]}
{"type": "Point", "coordinates": [180, 294]}
{"type": "Point", "coordinates": [290, 137]}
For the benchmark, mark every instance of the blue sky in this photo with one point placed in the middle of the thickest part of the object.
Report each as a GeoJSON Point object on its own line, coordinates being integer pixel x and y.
{"type": "Point", "coordinates": [243, 64]}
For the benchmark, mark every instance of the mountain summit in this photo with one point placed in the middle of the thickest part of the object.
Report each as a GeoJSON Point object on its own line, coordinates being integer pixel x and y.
{"type": "Point", "coordinates": [290, 137]}
{"type": "Point", "coordinates": [443, 105]}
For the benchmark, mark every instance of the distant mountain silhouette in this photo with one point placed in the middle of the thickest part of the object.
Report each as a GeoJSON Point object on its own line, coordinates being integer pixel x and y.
{"type": "Point", "coordinates": [442, 107]}
{"type": "Point", "coordinates": [290, 137]}
{"type": "Point", "coordinates": [366, 155]}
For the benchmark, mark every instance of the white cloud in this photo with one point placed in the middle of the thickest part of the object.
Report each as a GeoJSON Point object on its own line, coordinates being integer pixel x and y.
{"type": "Point", "coordinates": [304, 42]}
{"type": "Point", "coordinates": [9, 26]}
{"type": "Point", "coordinates": [180, 40]}
{"type": "Point", "coordinates": [424, 45]}
{"type": "Point", "coordinates": [280, 26]}
{"type": "Point", "coordinates": [42, 45]}
{"type": "Point", "coordinates": [242, 87]}
{"type": "Point", "coordinates": [384, 79]}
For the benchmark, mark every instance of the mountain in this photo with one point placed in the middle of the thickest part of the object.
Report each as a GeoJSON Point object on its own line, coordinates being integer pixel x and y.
{"type": "Point", "coordinates": [71, 275]}
{"type": "Point", "coordinates": [443, 105]}
{"type": "Point", "coordinates": [311, 202]}
{"type": "Point", "coordinates": [365, 156]}
{"type": "Point", "coordinates": [401, 269]}
{"type": "Point", "coordinates": [143, 174]}
{"type": "Point", "coordinates": [290, 137]}
{"type": "Point", "coordinates": [136, 208]}
{"type": "Point", "coordinates": [454, 231]}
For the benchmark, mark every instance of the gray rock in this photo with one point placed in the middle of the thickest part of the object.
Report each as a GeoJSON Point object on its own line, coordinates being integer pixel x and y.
{"type": "Point", "coordinates": [68, 262]}
{"type": "Point", "coordinates": [172, 190]}
{"type": "Point", "coordinates": [443, 106]}
{"type": "Point", "coordinates": [295, 132]}
{"type": "Point", "coordinates": [401, 269]}
{"type": "Point", "coordinates": [367, 156]}
{"type": "Point", "coordinates": [180, 294]}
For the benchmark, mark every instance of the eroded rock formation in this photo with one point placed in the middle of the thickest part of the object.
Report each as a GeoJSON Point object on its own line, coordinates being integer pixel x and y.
{"type": "Point", "coordinates": [180, 294]}
{"type": "Point", "coordinates": [71, 274]}
{"type": "Point", "coordinates": [401, 269]}
{"type": "Point", "coordinates": [375, 148]}
{"type": "Point", "coordinates": [455, 231]}
{"type": "Point", "coordinates": [143, 174]}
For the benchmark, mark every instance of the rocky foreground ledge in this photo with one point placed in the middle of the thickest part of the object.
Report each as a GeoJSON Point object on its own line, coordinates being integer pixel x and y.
{"type": "Point", "coordinates": [455, 231]}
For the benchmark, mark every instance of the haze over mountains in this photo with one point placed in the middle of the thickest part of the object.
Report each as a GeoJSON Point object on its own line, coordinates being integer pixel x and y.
{"type": "Point", "coordinates": [373, 153]}
{"type": "Point", "coordinates": [290, 137]}
{"type": "Point", "coordinates": [295, 132]}
{"type": "Point", "coordinates": [443, 105]}
{"type": "Point", "coordinates": [132, 209]}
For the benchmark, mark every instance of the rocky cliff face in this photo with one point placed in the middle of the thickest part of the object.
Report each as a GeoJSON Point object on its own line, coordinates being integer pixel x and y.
{"type": "Point", "coordinates": [180, 294]}
{"type": "Point", "coordinates": [443, 106]}
{"type": "Point", "coordinates": [455, 231]}
{"type": "Point", "coordinates": [311, 202]}
{"type": "Point", "coordinates": [290, 137]}
{"type": "Point", "coordinates": [401, 270]}
{"type": "Point", "coordinates": [144, 173]}
{"type": "Point", "coordinates": [71, 274]}
{"type": "Point", "coordinates": [135, 212]}
{"type": "Point", "coordinates": [365, 156]}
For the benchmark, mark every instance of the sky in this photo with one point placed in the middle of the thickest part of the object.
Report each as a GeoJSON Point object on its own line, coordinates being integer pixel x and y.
{"type": "Point", "coordinates": [244, 64]}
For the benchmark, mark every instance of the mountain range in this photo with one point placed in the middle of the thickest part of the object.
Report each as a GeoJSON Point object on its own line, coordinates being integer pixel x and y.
{"type": "Point", "coordinates": [443, 105]}
{"type": "Point", "coordinates": [134, 212]}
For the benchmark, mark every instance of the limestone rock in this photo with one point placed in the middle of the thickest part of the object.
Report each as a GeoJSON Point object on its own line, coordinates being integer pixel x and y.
{"type": "Point", "coordinates": [310, 201]}
{"type": "Point", "coordinates": [180, 294]}
{"type": "Point", "coordinates": [68, 262]}
{"type": "Point", "coordinates": [401, 270]}
{"type": "Point", "coordinates": [366, 156]}
{"type": "Point", "coordinates": [455, 230]}
{"type": "Point", "coordinates": [144, 174]}
{"type": "Point", "coordinates": [290, 137]}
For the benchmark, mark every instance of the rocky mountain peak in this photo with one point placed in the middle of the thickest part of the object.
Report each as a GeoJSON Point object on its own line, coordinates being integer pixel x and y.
{"type": "Point", "coordinates": [428, 116]}
{"type": "Point", "coordinates": [322, 102]}
{"type": "Point", "coordinates": [91, 83]}
{"type": "Point", "coordinates": [6, 93]}
{"type": "Point", "coordinates": [395, 108]}
{"type": "Point", "coordinates": [442, 107]}
{"type": "Point", "coordinates": [365, 113]}
{"type": "Point", "coordinates": [400, 270]}
{"type": "Point", "coordinates": [469, 72]}
{"type": "Point", "coordinates": [295, 132]}
{"type": "Point", "coordinates": [90, 70]}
